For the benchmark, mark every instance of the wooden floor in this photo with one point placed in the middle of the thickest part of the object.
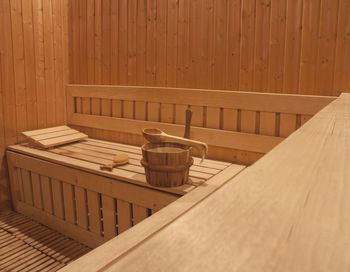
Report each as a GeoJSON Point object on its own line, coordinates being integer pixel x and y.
{"type": "Point", "coordinates": [26, 245]}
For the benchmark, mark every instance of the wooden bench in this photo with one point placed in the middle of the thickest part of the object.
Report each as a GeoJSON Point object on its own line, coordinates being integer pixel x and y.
{"type": "Point", "coordinates": [64, 188]}
{"type": "Point", "coordinates": [238, 126]}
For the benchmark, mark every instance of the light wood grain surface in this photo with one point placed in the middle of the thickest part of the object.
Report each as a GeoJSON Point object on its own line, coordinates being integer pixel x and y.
{"type": "Point", "coordinates": [288, 212]}
{"type": "Point", "coordinates": [299, 46]}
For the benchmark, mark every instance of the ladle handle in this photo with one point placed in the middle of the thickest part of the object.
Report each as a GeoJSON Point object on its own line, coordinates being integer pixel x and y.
{"type": "Point", "coordinates": [196, 144]}
{"type": "Point", "coordinates": [188, 122]}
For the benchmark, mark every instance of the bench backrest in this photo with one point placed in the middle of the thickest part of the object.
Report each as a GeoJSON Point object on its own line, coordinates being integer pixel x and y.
{"type": "Point", "coordinates": [245, 121]}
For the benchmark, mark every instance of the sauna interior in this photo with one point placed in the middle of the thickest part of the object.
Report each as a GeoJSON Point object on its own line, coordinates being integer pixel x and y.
{"type": "Point", "coordinates": [263, 83]}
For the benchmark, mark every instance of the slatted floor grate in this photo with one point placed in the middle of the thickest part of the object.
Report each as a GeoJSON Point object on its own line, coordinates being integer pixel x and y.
{"type": "Point", "coordinates": [26, 245]}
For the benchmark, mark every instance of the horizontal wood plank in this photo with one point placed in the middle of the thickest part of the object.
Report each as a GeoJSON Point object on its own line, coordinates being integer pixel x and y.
{"type": "Point", "coordinates": [45, 131]}
{"type": "Point", "coordinates": [231, 139]}
{"type": "Point", "coordinates": [297, 104]}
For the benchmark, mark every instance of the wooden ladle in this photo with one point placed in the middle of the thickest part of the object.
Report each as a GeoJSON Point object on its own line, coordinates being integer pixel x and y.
{"type": "Point", "coordinates": [155, 135]}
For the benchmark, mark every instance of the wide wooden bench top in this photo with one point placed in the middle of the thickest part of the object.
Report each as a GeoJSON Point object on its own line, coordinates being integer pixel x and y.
{"type": "Point", "coordinates": [90, 154]}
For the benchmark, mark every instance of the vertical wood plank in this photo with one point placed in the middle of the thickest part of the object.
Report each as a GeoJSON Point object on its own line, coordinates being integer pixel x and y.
{"type": "Point", "coordinates": [195, 44]}
{"type": "Point", "coordinates": [80, 203]}
{"type": "Point", "coordinates": [230, 119]}
{"type": "Point", "coordinates": [140, 110]}
{"type": "Point", "coordinates": [124, 216]}
{"type": "Point", "coordinates": [90, 45]}
{"type": "Point", "coordinates": [141, 25]}
{"type": "Point", "coordinates": [106, 107]}
{"type": "Point", "coordinates": [197, 116]}
{"type": "Point", "coordinates": [29, 60]}
{"type": "Point", "coordinates": [47, 194]}
{"type": "Point", "coordinates": [213, 118]}
{"type": "Point", "coordinates": [27, 187]}
{"type": "Point", "coordinates": [287, 124]}
{"type": "Point", "coordinates": [50, 86]}
{"type": "Point", "coordinates": [98, 42]}
{"type": "Point", "coordinates": [39, 62]}
{"type": "Point", "coordinates": [19, 66]}
{"type": "Point", "coordinates": [327, 45]}
{"type": "Point", "coordinates": [94, 212]}
{"type": "Point", "coordinates": [95, 106]}
{"type": "Point", "coordinates": [7, 79]}
{"type": "Point", "coordinates": [247, 45]}
{"type": "Point", "coordinates": [248, 121]}
{"type": "Point", "coordinates": [211, 44]}
{"type": "Point", "coordinates": [220, 47]}
{"type": "Point", "coordinates": [66, 40]}
{"type": "Point", "coordinates": [139, 213]}
{"type": "Point", "coordinates": [182, 42]}
{"type": "Point", "coordinates": [262, 44]}
{"type": "Point", "coordinates": [37, 199]}
{"type": "Point", "coordinates": [123, 42]}
{"type": "Point", "coordinates": [68, 202]}
{"type": "Point", "coordinates": [153, 112]}
{"type": "Point", "coordinates": [151, 42]}
{"type": "Point", "coordinates": [342, 56]}
{"type": "Point", "coordinates": [233, 44]}
{"type": "Point", "coordinates": [161, 28]}
{"type": "Point", "coordinates": [128, 109]}
{"type": "Point", "coordinates": [75, 41]}
{"type": "Point", "coordinates": [85, 105]}
{"type": "Point", "coordinates": [20, 183]}
{"type": "Point", "coordinates": [167, 113]}
{"type": "Point", "coordinates": [204, 23]}
{"type": "Point", "coordinates": [267, 123]}
{"type": "Point", "coordinates": [83, 60]}
{"type": "Point", "coordinates": [116, 108]}
{"type": "Point", "coordinates": [78, 105]}
{"type": "Point", "coordinates": [15, 183]}
{"type": "Point", "coordinates": [132, 41]}
{"type": "Point", "coordinates": [57, 198]}
{"type": "Point", "coordinates": [277, 45]}
{"type": "Point", "coordinates": [180, 114]}
{"type": "Point", "coordinates": [106, 41]}
{"type": "Point", "coordinates": [109, 218]}
{"type": "Point", "coordinates": [293, 45]}
{"type": "Point", "coordinates": [59, 57]}
{"type": "Point", "coordinates": [171, 43]}
{"type": "Point", "coordinates": [308, 58]}
{"type": "Point", "coordinates": [114, 42]}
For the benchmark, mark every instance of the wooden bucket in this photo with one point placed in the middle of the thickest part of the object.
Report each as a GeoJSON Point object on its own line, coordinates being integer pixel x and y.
{"type": "Point", "coordinates": [166, 164]}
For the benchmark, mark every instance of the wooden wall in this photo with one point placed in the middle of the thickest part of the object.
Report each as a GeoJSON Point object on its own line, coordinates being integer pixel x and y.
{"type": "Point", "coordinates": [285, 46]}
{"type": "Point", "coordinates": [33, 63]}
